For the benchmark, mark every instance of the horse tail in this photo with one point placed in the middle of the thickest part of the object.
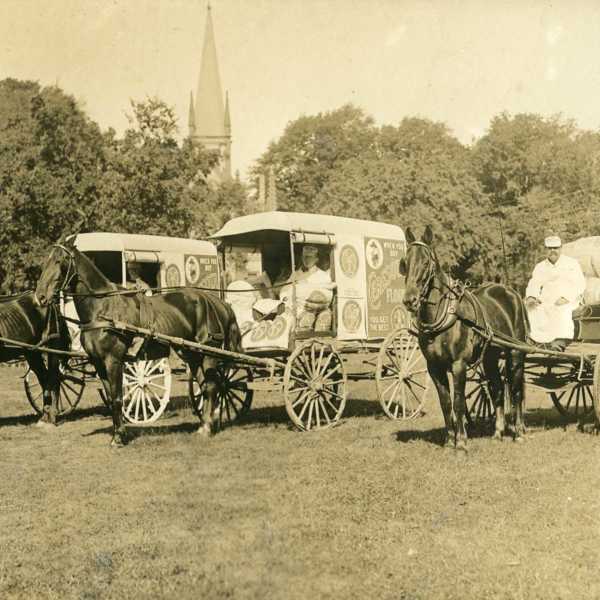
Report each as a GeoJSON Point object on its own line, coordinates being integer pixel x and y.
{"type": "Point", "coordinates": [234, 336]}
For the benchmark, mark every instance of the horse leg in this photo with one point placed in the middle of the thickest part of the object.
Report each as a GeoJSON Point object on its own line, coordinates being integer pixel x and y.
{"type": "Point", "coordinates": [491, 370]}
{"type": "Point", "coordinates": [459, 378]}
{"type": "Point", "coordinates": [440, 379]}
{"type": "Point", "coordinates": [515, 369]}
{"type": "Point", "coordinates": [36, 363]}
{"type": "Point", "coordinates": [110, 372]}
{"type": "Point", "coordinates": [209, 386]}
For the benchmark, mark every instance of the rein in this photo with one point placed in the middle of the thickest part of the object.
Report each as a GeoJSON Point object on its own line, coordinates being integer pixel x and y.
{"type": "Point", "coordinates": [447, 305]}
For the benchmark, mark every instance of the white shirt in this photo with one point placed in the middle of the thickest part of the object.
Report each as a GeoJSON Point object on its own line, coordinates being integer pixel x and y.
{"type": "Point", "coordinates": [550, 281]}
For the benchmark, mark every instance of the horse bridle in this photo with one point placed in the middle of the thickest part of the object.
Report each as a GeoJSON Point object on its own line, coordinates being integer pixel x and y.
{"type": "Point", "coordinates": [447, 306]}
{"type": "Point", "coordinates": [424, 291]}
{"type": "Point", "coordinates": [71, 269]}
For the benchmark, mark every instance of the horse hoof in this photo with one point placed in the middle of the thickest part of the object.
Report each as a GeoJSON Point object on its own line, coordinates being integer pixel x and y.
{"type": "Point", "coordinates": [461, 447]}
{"type": "Point", "coordinates": [519, 439]}
{"type": "Point", "coordinates": [498, 437]}
{"type": "Point", "coordinates": [205, 432]}
{"type": "Point", "coordinates": [117, 443]}
{"type": "Point", "coordinates": [45, 425]}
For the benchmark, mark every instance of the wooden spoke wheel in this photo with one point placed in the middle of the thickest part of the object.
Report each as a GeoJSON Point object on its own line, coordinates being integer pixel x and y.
{"type": "Point", "coordinates": [234, 394]}
{"type": "Point", "coordinates": [575, 401]}
{"type": "Point", "coordinates": [146, 389]}
{"type": "Point", "coordinates": [403, 382]}
{"type": "Point", "coordinates": [480, 406]}
{"type": "Point", "coordinates": [314, 386]}
{"type": "Point", "coordinates": [72, 377]}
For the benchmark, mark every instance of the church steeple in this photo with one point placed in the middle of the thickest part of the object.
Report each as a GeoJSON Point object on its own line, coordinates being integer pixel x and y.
{"type": "Point", "coordinates": [211, 122]}
{"type": "Point", "coordinates": [192, 116]}
{"type": "Point", "coordinates": [227, 121]}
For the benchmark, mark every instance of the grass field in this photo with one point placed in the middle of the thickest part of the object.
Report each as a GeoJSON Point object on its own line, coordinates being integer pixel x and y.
{"type": "Point", "coordinates": [369, 509]}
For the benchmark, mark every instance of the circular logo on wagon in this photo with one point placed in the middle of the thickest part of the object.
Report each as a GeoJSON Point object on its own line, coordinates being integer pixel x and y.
{"type": "Point", "coordinates": [192, 269]}
{"type": "Point", "coordinates": [349, 261]}
{"type": "Point", "coordinates": [351, 316]}
{"type": "Point", "coordinates": [276, 328]}
{"type": "Point", "coordinates": [374, 254]}
{"type": "Point", "coordinates": [259, 332]}
{"type": "Point", "coordinates": [399, 318]}
{"type": "Point", "coordinates": [173, 276]}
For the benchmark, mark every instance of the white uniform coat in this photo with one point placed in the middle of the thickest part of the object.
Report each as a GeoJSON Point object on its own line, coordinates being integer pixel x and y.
{"type": "Point", "coordinates": [548, 283]}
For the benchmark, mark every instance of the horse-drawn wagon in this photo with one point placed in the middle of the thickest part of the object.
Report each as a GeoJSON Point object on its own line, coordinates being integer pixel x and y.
{"type": "Point", "coordinates": [142, 263]}
{"type": "Point", "coordinates": [319, 294]}
{"type": "Point", "coordinates": [312, 294]}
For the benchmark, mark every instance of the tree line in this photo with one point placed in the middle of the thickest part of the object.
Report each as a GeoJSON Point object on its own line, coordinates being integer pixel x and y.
{"type": "Point", "coordinates": [60, 174]}
{"type": "Point", "coordinates": [490, 203]}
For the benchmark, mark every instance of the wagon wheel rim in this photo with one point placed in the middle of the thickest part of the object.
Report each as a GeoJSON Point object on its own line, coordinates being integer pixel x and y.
{"type": "Point", "coordinates": [72, 376]}
{"type": "Point", "coordinates": [234, 394]}
{"type": "Point", "coordinates": [146, 390]}
{"type": "Point", "coordinates": [480, 405]}
{"type": "Point", "coordinates": [315, 386]}
{"type": "Point", "coordinates": [401, 376]}
{"type": "Point", "coordinates": [576, 401]}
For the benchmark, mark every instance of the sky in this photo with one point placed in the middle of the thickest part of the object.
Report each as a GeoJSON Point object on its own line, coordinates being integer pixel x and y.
{"type": "Point", "coordinates": [456, 61]}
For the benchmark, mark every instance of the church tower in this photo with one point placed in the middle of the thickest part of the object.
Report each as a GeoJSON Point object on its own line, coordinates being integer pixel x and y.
{"type": "Point", "coordinates": [209, 121]}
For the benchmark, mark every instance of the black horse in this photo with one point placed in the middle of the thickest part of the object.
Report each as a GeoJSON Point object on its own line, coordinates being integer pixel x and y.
{"type": "Point", "coordinates": [23, 320]}
{"type": "Point", "coordinates": [186, 313]}
{"type": "Point", "coordinates": [455, 328]}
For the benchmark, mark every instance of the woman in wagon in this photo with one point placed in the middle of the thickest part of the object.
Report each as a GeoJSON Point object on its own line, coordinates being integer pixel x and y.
{"type": "Point", "coordinates": [553, 292]}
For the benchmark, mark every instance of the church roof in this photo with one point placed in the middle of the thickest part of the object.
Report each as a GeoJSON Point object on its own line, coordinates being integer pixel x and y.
{"type": "Point", "coordinates": [209, 109]}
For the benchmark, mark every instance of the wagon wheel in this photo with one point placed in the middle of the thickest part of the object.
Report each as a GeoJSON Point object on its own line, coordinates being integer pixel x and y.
{"type": "Point", "coordinates": [314, 385]}
{"type": "Point", "coordinates": [234, 395]}
{"type": "Point", "coordinates": [577, 400]}
{"type": "Point", "coordinates": [480, 406]}
{"type": "Point", "coordinates": [72, 375]}
{"type": "Point", "coordinates": [146, 389]}
{"type": "Point", "coordinates": [401, 376]}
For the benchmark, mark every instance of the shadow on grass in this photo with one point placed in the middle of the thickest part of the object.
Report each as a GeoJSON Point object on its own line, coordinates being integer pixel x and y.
{"type": "Point", "coordinates": [19, 420]}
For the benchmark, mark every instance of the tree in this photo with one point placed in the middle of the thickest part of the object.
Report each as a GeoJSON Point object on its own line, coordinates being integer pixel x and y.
{"type": "Point", "coordinates": [541, 174]}
{"type": "Point", "coordinates": [151, 185]}
{"type": "Point", "coordinates": [50, 157]}
{"type": "Point", "coordinates": [310, 149]}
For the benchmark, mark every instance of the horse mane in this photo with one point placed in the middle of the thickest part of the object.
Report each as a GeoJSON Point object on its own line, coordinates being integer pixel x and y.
{"type": "Point", "coordinates": [97, 280]}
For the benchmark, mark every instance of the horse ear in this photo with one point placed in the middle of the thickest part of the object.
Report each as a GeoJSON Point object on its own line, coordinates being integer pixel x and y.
{"type": "Point", "coordinates": [410, 238]}
{"type": "Point", "coordinates": [402, 267]}
{"type": "Point", "coordinates": [428, 235]}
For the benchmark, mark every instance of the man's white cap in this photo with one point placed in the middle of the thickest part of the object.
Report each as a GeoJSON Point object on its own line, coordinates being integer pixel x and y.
{"type": "Point", "coordinates": [552, 241]}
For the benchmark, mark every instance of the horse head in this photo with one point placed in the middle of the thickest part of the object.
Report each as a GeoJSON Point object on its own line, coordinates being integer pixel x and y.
{"type": "Point", "coordinates": [58, 272]}
{"type": "Point", "coordinates": [418, 267]}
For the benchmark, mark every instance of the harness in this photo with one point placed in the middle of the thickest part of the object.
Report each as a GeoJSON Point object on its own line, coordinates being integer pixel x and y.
{"type": "Point", "coordinates": [448, 307]}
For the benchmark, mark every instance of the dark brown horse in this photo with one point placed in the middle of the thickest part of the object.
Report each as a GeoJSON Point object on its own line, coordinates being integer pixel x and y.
{"type": "Point", "coordinates": [23, 320]}
{"type": "Point", "coordinates": [454, 331]}
{"type": "Point", "coordinates": [186, 313]}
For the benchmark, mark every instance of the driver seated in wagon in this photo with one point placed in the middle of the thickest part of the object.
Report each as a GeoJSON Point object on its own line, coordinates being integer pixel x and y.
{"type": "Point", "coordinates": [314, 291]}
{"type": "Point", "coordinates": [553, 292]}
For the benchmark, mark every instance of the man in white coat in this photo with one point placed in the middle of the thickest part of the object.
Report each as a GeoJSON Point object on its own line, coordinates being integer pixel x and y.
{"type": "Point", "coordinates": [554, 291]}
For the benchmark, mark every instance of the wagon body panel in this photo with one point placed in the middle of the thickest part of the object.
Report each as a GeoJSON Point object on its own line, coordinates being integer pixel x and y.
{"type": "Point", "coordinates": [362, 259]}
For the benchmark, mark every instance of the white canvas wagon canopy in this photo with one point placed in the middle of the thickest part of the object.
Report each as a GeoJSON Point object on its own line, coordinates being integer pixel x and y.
{"type": "Point", "coordinates": [165, 261]}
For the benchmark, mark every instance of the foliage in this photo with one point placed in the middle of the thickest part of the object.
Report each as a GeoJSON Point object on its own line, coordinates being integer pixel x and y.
{"type": "Point", "coordinates": [542, 176]}
{"type": "Point", "coordinates": [310, 150]}
{"type": "Point", "coordinates": [50, 157]}
{"type": "Point", "coordinates": [59, 174]}
{"type": "Point", "coordinates": [151, 185]}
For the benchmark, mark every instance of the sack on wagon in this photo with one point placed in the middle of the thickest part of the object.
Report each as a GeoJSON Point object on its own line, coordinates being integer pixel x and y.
{"type": "Point", "coordinates": [587, 252]}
